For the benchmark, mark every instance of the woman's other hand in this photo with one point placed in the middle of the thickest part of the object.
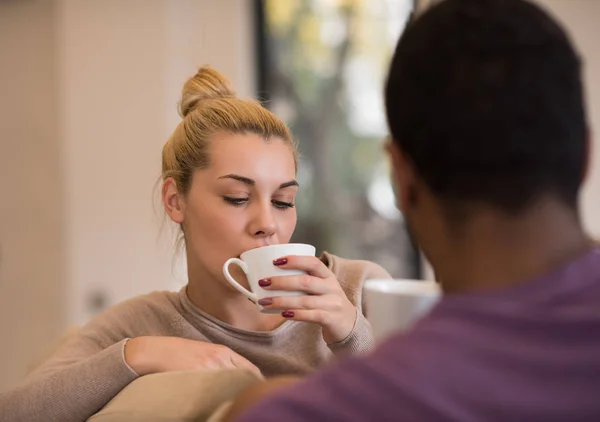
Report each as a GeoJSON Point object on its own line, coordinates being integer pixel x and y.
{"type": "Point", "coordinates": [149, 355]}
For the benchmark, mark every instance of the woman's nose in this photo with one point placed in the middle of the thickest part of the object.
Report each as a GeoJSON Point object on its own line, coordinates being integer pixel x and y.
{"type": "Point", "coordinates": [263, 223]}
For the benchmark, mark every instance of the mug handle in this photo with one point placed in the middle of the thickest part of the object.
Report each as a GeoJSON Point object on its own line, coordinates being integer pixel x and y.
{"type": "Point", "coordinates": [234, 283]}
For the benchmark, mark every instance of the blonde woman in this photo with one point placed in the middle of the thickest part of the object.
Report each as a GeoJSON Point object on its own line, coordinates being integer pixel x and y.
{"type": "Point", "coordinates": [229, 181]}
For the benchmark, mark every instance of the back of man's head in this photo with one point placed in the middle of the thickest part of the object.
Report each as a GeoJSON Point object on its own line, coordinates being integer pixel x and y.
{"type": "Point", "coordinates": [485, 98]}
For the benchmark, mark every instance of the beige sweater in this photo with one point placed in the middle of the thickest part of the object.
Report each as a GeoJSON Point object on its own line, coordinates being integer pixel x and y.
{"type": "Point", "coordinates": [90, 368]}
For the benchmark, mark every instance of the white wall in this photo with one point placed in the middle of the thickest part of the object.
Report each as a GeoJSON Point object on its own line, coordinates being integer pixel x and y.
{"type": "Point", "coordinates": [122, 67]}
{"type": "Point", "coordinates": [32, 253]}
{"type": "Point", "coordinates": [89, 95]}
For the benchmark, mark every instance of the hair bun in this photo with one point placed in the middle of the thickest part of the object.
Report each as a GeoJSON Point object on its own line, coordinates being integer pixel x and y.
{"type": "Point", "coordinates": [206, 84]}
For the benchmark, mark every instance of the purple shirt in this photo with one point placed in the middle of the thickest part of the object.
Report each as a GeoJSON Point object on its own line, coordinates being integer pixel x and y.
{"type": "Point", "coordinates": [527, 353]}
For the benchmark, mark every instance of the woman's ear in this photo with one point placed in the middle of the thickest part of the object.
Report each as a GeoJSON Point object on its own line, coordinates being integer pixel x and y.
{"type": "Point", "coordinates": [173, 201]}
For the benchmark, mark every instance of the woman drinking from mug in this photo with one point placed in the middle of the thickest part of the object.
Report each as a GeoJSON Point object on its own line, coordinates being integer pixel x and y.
{"type": "Point", "coordinates": [229, 182]}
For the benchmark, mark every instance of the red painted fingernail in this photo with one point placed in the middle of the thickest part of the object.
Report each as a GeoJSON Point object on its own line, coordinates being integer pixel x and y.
{"type": "Point", "coordinates": [280, 261]}
{"type": "Point", "coordinates": [287, 314]}
{"type": "Point", "coordinates": [264, 282]}
{"type": "Point", "coordinates": [266, 301]}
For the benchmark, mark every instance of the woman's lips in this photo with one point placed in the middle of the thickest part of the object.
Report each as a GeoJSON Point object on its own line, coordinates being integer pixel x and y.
{"type": "Point", "coordinates": [255, 247]}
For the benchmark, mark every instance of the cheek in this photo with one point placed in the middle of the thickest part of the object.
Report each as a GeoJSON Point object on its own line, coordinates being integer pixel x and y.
{"type": "Point", "coordinates": [287, 225]}
{"type": "Point", "coordinates": [212, 230]}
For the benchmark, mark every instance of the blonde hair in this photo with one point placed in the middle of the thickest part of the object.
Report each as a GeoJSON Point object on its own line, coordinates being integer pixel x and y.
{"type": "Point", "coordinates": [209, 106]}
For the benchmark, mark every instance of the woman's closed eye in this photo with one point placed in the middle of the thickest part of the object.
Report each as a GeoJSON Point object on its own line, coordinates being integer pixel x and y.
{"type": "Point", "coordinates": [236, 201]}
{"type": "Point", "coordinates": [241, 201]}
{"type": "Point", "coordinates": [282, 205]}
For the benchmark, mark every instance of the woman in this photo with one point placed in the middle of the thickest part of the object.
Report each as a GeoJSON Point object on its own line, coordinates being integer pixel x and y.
{"type": "Point", "coordinates": [229, 181]}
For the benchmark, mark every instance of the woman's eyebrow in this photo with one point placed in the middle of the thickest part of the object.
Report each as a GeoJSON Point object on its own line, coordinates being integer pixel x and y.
{"type": "Point", "coordinates": [288, 184]}
{"type": "Point", "coordinates": [239, 178]}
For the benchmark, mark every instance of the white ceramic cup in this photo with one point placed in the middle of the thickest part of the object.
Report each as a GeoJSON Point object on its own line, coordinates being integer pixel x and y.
{"type": "Point", "coordinates": [395, 305]}
{"type": "Point", "coordinates": [258, 264]}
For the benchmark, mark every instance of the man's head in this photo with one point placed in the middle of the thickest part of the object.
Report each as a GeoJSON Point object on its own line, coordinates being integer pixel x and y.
{"type": "Point", "coordinates": [485, 106]}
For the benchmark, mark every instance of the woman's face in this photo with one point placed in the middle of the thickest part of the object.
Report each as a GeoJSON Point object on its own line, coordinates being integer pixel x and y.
{"type": "Point", "coordinates": [243, 200]}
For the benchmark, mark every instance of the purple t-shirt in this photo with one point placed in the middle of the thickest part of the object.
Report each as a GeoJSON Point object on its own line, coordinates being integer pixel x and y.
{"type": "Point", "coordinates": [528, 353]}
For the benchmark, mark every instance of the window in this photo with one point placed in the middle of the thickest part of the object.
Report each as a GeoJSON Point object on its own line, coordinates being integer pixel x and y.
{"type": "Point", "coordinates": [322, 66]}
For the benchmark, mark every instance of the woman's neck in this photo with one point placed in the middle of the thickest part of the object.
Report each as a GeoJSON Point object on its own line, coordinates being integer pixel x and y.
{"type": "Point", "coordinates": [226, 304]}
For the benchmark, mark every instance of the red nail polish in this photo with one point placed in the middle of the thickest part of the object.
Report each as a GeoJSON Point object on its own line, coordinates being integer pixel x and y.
{"type": "Point", "coordinates": [280, 261]}
{"type": "Point", "coordinates": [266, 301]}
{"type": "Point", "coordinates": [287, 314]}
{"type": "Point", "coordinates": [264, 282]}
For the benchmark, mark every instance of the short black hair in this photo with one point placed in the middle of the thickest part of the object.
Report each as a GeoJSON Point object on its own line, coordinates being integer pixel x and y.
{"type": "Point", "coordinates": [485, 98]}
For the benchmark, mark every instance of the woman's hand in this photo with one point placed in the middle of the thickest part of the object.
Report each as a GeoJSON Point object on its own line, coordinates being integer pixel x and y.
{"type": "Point", "coordinates": [149, 355]}
{"type": "Point", "coordinates": [325, 303]}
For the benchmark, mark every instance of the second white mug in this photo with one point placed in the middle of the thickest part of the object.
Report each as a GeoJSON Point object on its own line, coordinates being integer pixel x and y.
{"type": "Point", "coordinates": [396, 305]}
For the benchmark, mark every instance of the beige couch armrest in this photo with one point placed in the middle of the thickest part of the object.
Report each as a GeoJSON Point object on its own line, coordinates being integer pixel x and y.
{"type": "Point", "coordinates": [176, 396]}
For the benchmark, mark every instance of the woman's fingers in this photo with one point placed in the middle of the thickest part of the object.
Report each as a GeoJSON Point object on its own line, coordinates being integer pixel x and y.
{"type": "Point", "coordinates": [298, 283]}
{"type": "Point", "coordinates": [315, 316]}
{"type": "Point", "coordinates": [239, 361]}
{"type": "Point", "coordinates": [326, 303]}
{"type": "Point", "coordinates": [311, 264]}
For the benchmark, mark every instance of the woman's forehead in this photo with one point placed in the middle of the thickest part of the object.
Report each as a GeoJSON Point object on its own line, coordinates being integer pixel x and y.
{"type": "Point", "coordinates": [251, 152]}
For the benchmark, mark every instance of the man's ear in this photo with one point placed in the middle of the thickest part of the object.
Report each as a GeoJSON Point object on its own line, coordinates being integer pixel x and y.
{"type": "Point", "coordinates": [173, 201]}
{"type": "Point", "coordinates": [402, 175]}
{"type": "Point", "coordinates": [588, 155]}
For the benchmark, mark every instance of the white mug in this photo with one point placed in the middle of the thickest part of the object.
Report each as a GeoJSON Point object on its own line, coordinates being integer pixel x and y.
{"type": "Point", "coordinates": [395, 305]}
{"type": "Point", "coordinates": [257, 264]}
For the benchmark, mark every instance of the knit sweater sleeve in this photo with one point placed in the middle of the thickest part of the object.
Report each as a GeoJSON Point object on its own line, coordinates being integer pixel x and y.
{"type": "Point", "coordinates": [84, 374]}
{"type": "Point", "coordinates": [352, 275]}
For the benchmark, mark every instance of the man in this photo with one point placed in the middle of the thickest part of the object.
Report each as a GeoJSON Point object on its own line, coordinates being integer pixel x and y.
{"type": "Point", "coordinates": [490, 146]}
